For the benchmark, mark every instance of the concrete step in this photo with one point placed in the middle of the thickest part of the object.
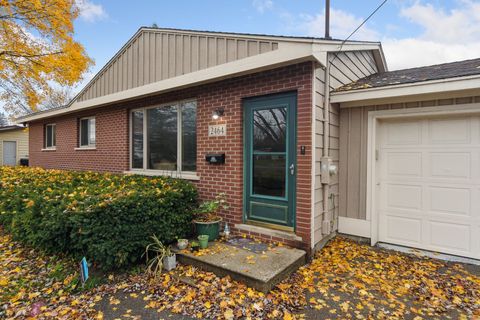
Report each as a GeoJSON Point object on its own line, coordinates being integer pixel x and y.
{"type": "Point", "coordinates": [258, 270]}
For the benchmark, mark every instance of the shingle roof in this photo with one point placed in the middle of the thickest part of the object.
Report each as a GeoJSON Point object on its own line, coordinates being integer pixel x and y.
{"type": "Point", "coordinates": [257, 34]}
{"type": "Point", "coordinates": [435, 72]}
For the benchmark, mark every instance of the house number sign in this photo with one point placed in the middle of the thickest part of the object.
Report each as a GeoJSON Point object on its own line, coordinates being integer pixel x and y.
{"type": "Point", "coordinates": [219, 130]}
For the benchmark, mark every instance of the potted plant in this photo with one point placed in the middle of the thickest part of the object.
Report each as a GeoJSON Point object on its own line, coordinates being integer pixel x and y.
{"type": "Point", "coordinates": [169, 260]}
{"type": "Point", "coordinates": [154, 253]}
{"type": "Point", "coordinates": [159, 256]}
{"type": "Point", "coordinates": [207, 221]}
{"type": "Point", "coordinates": [203, 240]}
{"type": "Point", "coordinates": [194, 246]}
{"type": "Point", "coordinates": [182, 243]}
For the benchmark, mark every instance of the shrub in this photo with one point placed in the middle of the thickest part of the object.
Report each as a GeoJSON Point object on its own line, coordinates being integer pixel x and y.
{"type": "Point", "coordinates": [108, 218]}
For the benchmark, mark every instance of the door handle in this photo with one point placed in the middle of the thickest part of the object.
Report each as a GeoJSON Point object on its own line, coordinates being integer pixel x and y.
{"type": "Point", "coordinates": [292, 169]}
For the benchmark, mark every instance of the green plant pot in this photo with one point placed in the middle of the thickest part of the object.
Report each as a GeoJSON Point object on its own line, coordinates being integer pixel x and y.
{"type": "Point", "coordinates": [203, 240]}
{"type": "Point", "coordinates": [211, 229]}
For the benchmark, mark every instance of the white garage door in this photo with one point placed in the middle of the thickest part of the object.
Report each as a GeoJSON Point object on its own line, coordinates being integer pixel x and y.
{"type": "Point", "coordinates": [9, 153]}
{"type": "Point", "coordinates": [429, 184]}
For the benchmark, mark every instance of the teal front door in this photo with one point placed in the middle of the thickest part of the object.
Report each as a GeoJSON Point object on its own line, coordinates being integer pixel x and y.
{"type": "Point", "coordinates": [270, 160]}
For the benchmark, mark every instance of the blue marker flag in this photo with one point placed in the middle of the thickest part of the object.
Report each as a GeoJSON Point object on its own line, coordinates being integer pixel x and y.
{"type": "Point", "coordinates": [84, 270]}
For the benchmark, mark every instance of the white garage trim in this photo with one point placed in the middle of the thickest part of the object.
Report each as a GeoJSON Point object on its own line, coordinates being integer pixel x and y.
{"type": "Point", "coordinates": [373, 118]}
{"type": "Point", "coordinates": [355, 227]}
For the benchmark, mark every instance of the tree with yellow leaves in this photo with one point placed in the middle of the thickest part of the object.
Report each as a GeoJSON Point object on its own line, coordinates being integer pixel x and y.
{"type": "Point", "coordinates": [38, 54]}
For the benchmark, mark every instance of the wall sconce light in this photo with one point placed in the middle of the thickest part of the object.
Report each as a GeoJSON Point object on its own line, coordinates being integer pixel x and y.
{"type": "Point", "coordinates": [217, 113]}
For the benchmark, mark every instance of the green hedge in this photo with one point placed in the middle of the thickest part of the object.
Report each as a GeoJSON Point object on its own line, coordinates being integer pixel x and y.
{"type": "Point", "coordinates": [108, 218]}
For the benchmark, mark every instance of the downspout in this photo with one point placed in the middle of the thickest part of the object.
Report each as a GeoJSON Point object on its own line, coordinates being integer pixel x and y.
{"type": "Point", "coordinates": [326, 228]}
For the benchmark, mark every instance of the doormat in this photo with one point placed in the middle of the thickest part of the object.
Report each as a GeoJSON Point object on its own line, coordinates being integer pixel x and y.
{"type": "Point", "coordinates": [248, 244]}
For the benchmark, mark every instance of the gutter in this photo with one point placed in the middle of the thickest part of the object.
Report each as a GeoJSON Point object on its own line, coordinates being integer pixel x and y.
{"type": "Point", "coordinates": [359, 97]}
{"type": "Point", "coordinates": [326, 150]}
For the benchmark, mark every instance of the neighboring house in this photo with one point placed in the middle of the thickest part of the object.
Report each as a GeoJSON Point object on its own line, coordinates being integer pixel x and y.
{"type": "Point", "coordinates": [13, 145]}
{"type": "Point", "coordinates": [285, 112]}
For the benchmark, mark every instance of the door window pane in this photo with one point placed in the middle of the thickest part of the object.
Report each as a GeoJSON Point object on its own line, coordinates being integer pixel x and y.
{"type": "Point", "coordinates": [189, 136]}
{"type": "Point", "coordinates": [162, 138]}
{"type": "Point", "coordinates": [269, 175]}
{"type": "Point", "coordinates": [137, 139]}
{"type": "Point", "coordinates": [270, 130]}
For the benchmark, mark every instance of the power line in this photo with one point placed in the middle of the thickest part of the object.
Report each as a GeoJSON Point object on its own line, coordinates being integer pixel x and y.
{"type": "Point", "coordinates": [361, 25]}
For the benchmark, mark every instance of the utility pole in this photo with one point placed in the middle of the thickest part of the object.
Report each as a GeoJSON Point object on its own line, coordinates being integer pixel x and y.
{"type": "Point", "coordinates": [327, 19]}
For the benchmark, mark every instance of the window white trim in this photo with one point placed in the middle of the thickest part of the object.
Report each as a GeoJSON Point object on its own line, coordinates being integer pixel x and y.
{"type": "Point", "coordinates": [84, 148]}
{"type": "Point", "coordinates": [54, 138]}
{"type": "Point", "coordinates": [188, 175]}
{"type": "Point", "coordinates": [173, 174]}
{"type": "Point", "coordinates": [89, 145]}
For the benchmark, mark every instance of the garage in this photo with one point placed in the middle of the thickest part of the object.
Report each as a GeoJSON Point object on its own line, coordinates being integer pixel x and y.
{"type": "Point", "coordinates": [428, 183]}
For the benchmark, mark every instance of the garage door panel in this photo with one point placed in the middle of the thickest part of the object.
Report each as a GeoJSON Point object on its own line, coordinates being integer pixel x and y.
{"type": "Point", "coordinates": [450, 200]}
{"type": "Point", "coordinates": [403, 196]}
{"type": "Point", "coordinates": [452, 164]}
{"type": "Point", "coordinates": [404, 229]}
{"type": "Point", "coordinates": [429, 184]}
{"type": "Point", "coordinates": [404, 163]}
{"type": "Point", "coordinates": [403, 133]}
{"type": "Point", "coordinates": [449, 131]}
{"type": "Point", "coordinates": [455, 237]}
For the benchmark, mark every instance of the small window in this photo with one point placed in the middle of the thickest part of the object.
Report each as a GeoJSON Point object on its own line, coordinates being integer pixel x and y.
{"type": "Point", "coordinates": [87, 132]}
{"type": "Point", "coordinates": [50, 140]}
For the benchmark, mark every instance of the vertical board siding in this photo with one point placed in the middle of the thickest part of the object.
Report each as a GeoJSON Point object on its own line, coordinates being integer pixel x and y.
{"type": "Point", "coordinates": [353, 151]}
{"type": "Point", "coordinates": [319, 117]}
{"type": "Point", "coordinates": [346, 67]}
{"type": "Point", "coordinates": [157, 55]}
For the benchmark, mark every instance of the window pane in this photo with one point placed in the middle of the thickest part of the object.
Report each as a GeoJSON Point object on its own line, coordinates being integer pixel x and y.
{"type": "Point", "coordinates": [91, 131]}
{"type": "Point", "coordinates": [162, 138]}
{"type": "Point", "coordinates": [137, 139]}
{"type": "Point", "coordinates": [269, 175]}
{"type": "Point", "coordinates": [270, 130]}
{"type": "Point", "coordinates": [48, 134]}
{"type": "Point", "coordinates": [189, 136]}
{"type": "Point", "coordinates": [84, 132]}
{"type": "Point", "coordinates": [54, 135]}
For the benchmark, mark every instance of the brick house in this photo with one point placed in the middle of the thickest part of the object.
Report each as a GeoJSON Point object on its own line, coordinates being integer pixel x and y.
{"type": "Point", "coordinates": [267, 120]}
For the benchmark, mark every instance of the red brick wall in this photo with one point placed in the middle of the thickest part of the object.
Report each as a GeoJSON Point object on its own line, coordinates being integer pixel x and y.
{"type": "Point", "coordinates": [112, 138]}
{"type": "Point", "coordinates": [112, 144]}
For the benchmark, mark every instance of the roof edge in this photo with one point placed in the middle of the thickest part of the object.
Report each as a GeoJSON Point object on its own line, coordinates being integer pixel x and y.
{"type": "Point", "coordinates": [375, 95]}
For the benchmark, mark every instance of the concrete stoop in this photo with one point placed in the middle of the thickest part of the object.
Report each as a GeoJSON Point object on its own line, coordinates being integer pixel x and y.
{"type": "Point", "coordinates": [261, 271]}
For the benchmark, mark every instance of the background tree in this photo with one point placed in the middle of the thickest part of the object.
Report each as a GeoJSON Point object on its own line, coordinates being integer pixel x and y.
{"type": "Point", "coordinates": [38, 54]}
{"type": "Point", "coordinates": [3, 120]}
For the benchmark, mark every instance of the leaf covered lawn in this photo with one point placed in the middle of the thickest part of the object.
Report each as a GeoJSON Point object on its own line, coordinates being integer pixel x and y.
{"type": "Point", "coordinates": [346, 280]}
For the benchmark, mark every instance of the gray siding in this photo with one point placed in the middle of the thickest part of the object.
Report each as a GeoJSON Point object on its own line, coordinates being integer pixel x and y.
{"type": "Point", "coordinates": [154, 55]}
{"type": "Point", "coordinates": [353, 151]}
{"type": "Point", "coordinates": [346, 67]}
